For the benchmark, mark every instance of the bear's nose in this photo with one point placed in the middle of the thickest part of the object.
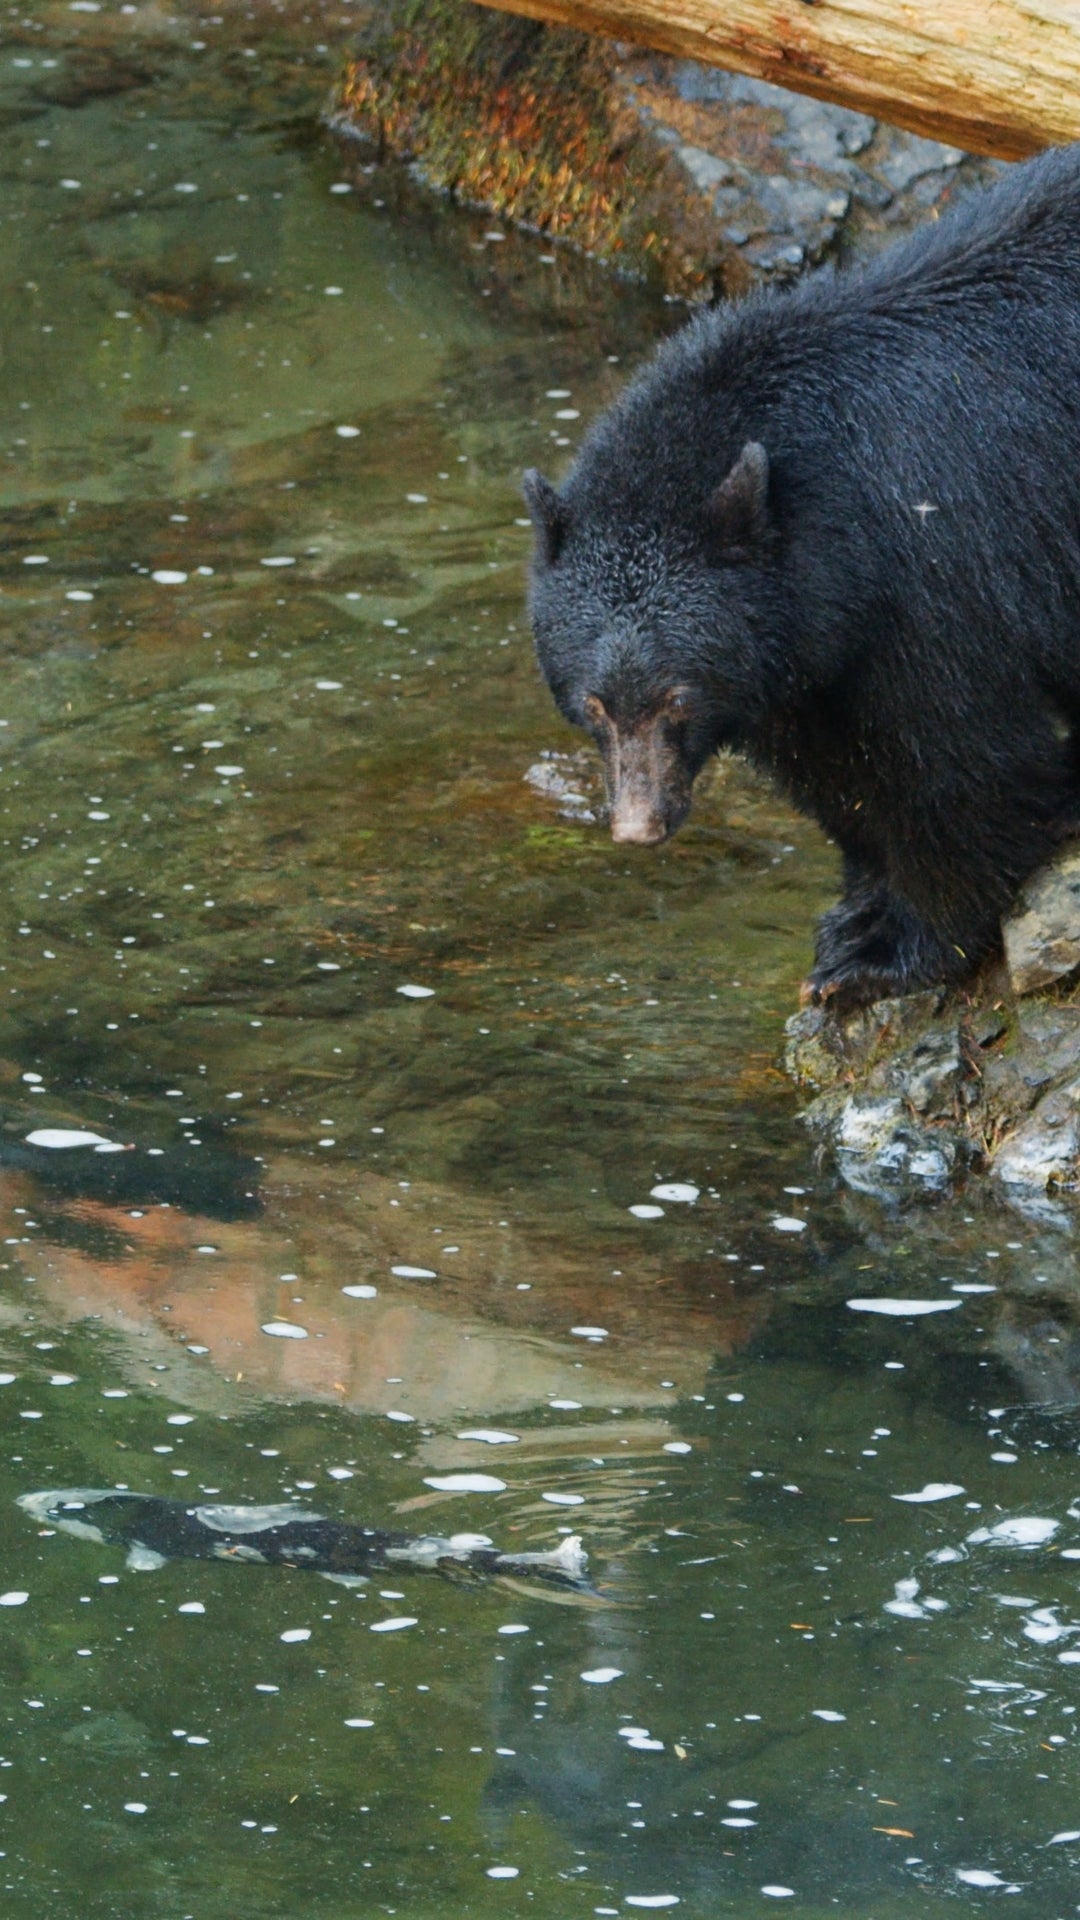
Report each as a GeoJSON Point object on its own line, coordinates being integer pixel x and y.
{"type": "Point", "coordinates": [636, 826]}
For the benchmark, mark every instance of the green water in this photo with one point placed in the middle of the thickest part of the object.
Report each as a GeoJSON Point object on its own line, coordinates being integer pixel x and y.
{"type": "Point", "coordinates": [240, 810]}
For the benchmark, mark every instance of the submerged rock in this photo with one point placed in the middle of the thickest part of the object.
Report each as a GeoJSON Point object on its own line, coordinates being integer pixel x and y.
{"type": "Point", "coordinates": [915, 1093]}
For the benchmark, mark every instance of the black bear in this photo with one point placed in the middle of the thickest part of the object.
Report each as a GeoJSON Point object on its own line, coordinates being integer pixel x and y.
{"type": "Point", "coordinates": [838, 528]}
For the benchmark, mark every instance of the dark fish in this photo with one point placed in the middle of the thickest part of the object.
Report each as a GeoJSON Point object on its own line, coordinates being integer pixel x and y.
{"type": "Point", "coordinates": [285, 1535]}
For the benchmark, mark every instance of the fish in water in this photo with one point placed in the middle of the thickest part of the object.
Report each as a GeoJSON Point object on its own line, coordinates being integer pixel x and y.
{"type": "Point", "coordinates": [286, 1535]}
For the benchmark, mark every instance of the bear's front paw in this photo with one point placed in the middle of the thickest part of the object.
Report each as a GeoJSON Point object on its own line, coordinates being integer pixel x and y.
{"type": "Point", "coordinates": [849, 988]}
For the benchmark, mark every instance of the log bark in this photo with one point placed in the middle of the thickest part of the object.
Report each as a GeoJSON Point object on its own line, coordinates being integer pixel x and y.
{"type": "Point", "coordinates": [998, 77]}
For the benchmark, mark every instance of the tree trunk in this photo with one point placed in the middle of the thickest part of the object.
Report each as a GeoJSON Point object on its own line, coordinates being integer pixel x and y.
{"type": "Point", "coordinates": [998, 77]}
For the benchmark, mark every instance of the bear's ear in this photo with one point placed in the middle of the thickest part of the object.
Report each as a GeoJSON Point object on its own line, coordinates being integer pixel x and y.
{"type": "Point", "coordinates": [547, 513]}
{"type": "Point", "coordinates": [738, 511]}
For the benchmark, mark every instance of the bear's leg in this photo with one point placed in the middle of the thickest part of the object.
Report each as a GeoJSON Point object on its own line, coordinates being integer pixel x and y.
{"type": "Point", "coordinates": [842, 932]}
{"type": "Point", "coordinates": [873, 946]}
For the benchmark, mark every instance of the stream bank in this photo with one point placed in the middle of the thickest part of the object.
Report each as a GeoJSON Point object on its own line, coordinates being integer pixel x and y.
{"type": "Point", "coordinates": [705, 183]}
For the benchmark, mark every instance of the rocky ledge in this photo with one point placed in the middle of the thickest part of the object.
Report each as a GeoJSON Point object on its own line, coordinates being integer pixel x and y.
{"type": "Point", "coordinates": [917, 1093]}
{"type": "Point", "coordinates": [703, 182]}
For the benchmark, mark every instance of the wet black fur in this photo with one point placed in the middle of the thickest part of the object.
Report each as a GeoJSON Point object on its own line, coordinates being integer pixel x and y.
{"type": "Point", "coordinates": [912, 678]}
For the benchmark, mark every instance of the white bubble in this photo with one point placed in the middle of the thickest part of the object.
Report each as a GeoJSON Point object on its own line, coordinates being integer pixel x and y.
{"type": "Point", "coordinates": [465, 1483]}
{"type": "Point", "coordinates": [933, 1490]}
{"type": "Point", "coordinates": [14, 1599]}
{"type": "Point", "coordinates": [293, 1634]}
{"type": "Point", "coordinates": [361, 1293]}
{"type": "Point", "coordinates": [679, 1190]}
{"type": "Point", "coordinates": [643, 1211]}
{"type": "Point", "coordinates": [168, 577]}
{"type": "Point", "coordinates": [60, 1137]}
{"type": "Point", "coordinates": [903, 1309]}
{"type": "Point", "coordinates": [416, 993]}
{"type": "Point", "coordinates": [602, 1676]}
{"type": "Point", "coordinates": [395, 1625]}
{"type": "Point", "coordinates": [284, 1330]}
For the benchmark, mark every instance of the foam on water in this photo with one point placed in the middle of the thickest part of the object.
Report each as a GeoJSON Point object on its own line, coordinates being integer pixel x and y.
{"type": "Point", "coordinates": [903, 1309]}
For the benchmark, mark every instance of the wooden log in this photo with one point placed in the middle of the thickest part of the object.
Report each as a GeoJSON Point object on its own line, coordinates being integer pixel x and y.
{"type": "Point", "coordinates": [998, 77]}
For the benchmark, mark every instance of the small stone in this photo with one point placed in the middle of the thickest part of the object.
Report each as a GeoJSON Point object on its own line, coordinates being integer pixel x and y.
{"type": "Point", "coordinates": [912, 157]}
{"type": "Point", "coordinates": [705, 170]}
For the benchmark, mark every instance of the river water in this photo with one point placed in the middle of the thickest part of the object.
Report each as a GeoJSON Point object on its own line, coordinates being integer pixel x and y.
{"type": "Point", "coordinates": [304, 910]}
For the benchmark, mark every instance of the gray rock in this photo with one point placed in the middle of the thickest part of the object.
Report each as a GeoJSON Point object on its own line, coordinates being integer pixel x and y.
{"type": "Point", "coordinates": [1048, 1041]}
{"type": "Point", "coordinates": [1042, 934]}
{"type": "Point", "coordinates": [879, 1149]}
{"type": "Point", "coordinates": [869, 1127]}
{"type": "Point", "coordinates": [1044, 1150]}
{"type": "Point", "coordinates": [931, 1075]}
{"type": "Point", "coordinates": [822, 134]}
{"type": "Point", "coordinates": [910, 157]}
{"type": "Point", "coordinates": [705, 170]}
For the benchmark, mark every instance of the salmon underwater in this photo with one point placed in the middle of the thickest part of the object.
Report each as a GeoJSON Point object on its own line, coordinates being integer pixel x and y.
{"type": "Point", "coordinates": [155, 1530]}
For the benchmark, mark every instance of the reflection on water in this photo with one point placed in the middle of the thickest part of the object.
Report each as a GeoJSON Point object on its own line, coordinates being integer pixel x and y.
{"type": "Point", "coordinates": [442, 1177]}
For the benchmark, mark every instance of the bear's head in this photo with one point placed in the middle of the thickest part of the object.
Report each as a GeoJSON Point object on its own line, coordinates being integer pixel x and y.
{"type": "Point", "coordinates": [643, 610]}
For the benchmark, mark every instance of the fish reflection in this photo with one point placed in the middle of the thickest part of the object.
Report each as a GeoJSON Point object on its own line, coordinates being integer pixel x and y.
{"type": "Point", "coordinates": [285, 1535]}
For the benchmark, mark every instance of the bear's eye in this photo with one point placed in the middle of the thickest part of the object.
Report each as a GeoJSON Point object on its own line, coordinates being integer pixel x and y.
{"type": "Point", "coordinates": [678, 704]}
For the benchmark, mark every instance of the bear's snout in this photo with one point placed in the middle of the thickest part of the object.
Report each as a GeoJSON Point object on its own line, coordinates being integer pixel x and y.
{"type": "Point", "coordinates": [648, 787]}
{"type": "Point", "coordinates": [635, 824]}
